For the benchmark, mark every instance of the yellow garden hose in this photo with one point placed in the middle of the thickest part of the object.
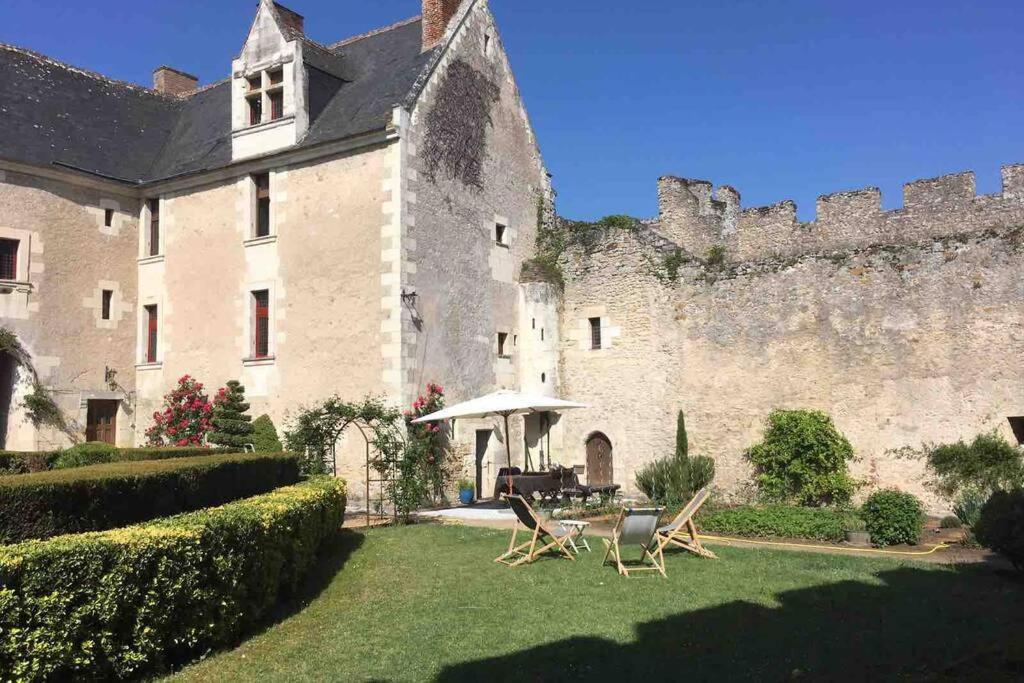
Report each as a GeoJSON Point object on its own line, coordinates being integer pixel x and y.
{"type": "Point", "coordinates": [939, 546]}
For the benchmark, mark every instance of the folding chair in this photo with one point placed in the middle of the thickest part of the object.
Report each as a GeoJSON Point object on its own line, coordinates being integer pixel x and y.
{"type": "Point", "coordinates": [530, 551]}
{"type": "Point", "coordinates": [636, 526]}
{"type": "Point", "coordinates": [682, 532]}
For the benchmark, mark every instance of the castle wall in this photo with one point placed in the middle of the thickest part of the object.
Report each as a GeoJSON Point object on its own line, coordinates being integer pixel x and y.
{"type": "Point", "coordinates": [67, 256]}
{"type": "Point", "coordinates": [466, 283]}
{"type": "Point", "coordinates": [906, 342]}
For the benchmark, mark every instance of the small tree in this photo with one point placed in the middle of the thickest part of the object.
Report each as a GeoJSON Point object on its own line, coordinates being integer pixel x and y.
{"type": "Point", "coordinates": [231, 425]}
{"type": "Point", "coordinates": [185, 418]}
{"type": "Point", "coordinates": [802, 459]}
{"type": "Point", "coordinates": [673, 480]}
{"type": "Point", "coordinates": [682, 441]}
{"type": "Point", "coordinates": [264, 436]}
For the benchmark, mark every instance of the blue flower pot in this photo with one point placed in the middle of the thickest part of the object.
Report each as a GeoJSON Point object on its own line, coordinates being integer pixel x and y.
{"type": "Point", "coordinates": [465, 497]}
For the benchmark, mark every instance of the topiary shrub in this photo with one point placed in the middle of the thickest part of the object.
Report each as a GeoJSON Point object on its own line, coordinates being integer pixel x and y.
{"type": "Point", "coordinates": [45, 504]}
{"type": "Point", "coordinates": [131, 603]}
{"type": "Point", "coordinates": [802, 459]}
{"type": "Point", "coordinates": [893, 517]}
{"type": "Point", "coordinates": [264, 436]}
{"type": "Point", "coordinates": [1000, 525]}
{"type": "Point", "coordinates": [231, 425]}
{"type": "Point", "coordinates": [83, 454]}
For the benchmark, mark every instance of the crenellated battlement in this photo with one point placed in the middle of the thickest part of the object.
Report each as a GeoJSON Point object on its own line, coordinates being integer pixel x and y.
{"type": "Point", "coordinates": [697, 216]}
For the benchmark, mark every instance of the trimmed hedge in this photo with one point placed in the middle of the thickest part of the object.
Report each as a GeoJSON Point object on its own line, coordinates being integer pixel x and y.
{"type": "Point", "coordinates": [19, 462]}
{"type": "Point", "coordinates": [132, 602]}
{"type": "Point", "coordinates": [784, 521]}
{"type": "Point", "coordinates": [99, 497]}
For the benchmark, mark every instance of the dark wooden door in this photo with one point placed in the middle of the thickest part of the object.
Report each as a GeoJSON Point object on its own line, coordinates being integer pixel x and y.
{"type": "Point", "coordinates": [599, 460]}
{"type": "Point", "coordinates": [483, 437]}
{"type": "Point", "coordinates": [101, 421]}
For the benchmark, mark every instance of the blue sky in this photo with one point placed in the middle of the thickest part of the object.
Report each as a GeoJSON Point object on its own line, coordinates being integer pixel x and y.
{"type": "Point", "coordinates": [783, 100]}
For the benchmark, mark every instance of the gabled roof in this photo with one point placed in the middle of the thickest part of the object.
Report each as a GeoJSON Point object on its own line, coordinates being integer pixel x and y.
{"type": "Point", "coordinates": [55, 114]}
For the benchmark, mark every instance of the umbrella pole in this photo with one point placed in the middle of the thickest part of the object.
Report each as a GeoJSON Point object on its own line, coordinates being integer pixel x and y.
{"type": "Point", "coordinates": [508, 454]}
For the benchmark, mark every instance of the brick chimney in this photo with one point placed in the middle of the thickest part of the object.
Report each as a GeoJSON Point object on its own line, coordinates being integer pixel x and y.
{"type": "Point", "coordinates": [292, 20]}
{"type": "Point", "coordinates": [173, 82]}
{"type": "Point", "coordinates": [436, 15]}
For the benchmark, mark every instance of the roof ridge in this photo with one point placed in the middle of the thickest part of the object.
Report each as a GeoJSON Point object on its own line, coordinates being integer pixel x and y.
{"type": "Point", "coordinates": [206, 87]}
{"type": "Point", "coordinates": [378, 31]}
{"type": "Point", "coordinates": [39, 56]}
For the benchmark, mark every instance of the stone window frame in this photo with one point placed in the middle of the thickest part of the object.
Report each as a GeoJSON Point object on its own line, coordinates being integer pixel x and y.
{"type": "Point", "coordinates": [22, 269]}
{"type": "Point", "coordinates": [142, 347]}
{"type": "Point", "coordinates": [267, 92]}
{"type": "Point", "coordinates": [146, 254]}
{"type": "Point", "coordinates": [116, 214]}
{"type": "Point", "coordinates": [251, 359]}
{"type": "Point", "coordinates": [252, 190]}
{"type": "Point", "coordinates": [502, 344]}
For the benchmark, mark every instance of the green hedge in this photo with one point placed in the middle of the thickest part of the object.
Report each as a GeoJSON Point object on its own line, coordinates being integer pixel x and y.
{"type": "Point", "coordinates": [131, 602]}
{"type": "Point", "coordinates": [44, 504]}
{"type": "Point", "coordinates": [784, 521]}
{"type": "Point", "coordinates": [19, 462]}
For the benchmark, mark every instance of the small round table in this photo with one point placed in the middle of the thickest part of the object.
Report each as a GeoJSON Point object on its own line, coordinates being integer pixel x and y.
{"type": "Point", "coordinates": [578, 538]}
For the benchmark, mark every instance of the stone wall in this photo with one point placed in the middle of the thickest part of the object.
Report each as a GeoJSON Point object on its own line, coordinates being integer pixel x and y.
{"type": "Point", "coordinates": [67, 256]}
{"type": "Point", "coordinates": [904, 331]}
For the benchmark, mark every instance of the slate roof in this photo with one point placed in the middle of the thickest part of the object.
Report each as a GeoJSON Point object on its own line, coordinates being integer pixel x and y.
{"type": "Point", "coordinates": [52, 113]}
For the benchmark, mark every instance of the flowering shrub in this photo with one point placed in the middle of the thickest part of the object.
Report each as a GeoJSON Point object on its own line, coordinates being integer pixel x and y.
{"type": "Point", "coordinates": [426, 456]}
{"type": "Point", "coordinates": [186, 417]}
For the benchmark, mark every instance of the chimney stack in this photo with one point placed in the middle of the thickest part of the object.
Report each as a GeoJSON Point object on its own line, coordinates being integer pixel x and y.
{"type": "Point", "coordinates": [436, 15]}
{"type": "Point", "coordinates": [292, 20]}
{"type": "Point", "coordinates": [173, 82]}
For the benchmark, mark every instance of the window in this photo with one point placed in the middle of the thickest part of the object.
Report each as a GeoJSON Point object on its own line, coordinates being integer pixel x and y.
{"type": "Point", "coordinates": [108, 217]}
{"type": "Point", "coordinates": [1017, 425]}
{"type": "Point", "coordinates": [108, 297]}
{"type": "Point", "coordinates": [276, 76]}
{"type": "Point", "coordinates": [542, 334]}
{"type": "Point", "coordinates": [543, 378]}
{"type": "Point", "coordinates": [255, 110]}
{"type": "Point", "coordinates": [154, 227]}
{"type": "Point", "coordinates": [499, 235]}
{"type": "Point", "coordinates": [152, 330]}
{"type": "Point", "coordinates": [502, 341]}
{"type": "Point", "coordinates": [255, 83]}
{"type": "Point", "coordinates": [595, 333]}
{"type": "Point", "coordinates": [261, 181]}
{"type": "Point", "coordinates": [261, 324]}
{"type": "Point", "coordinates": [8, 259]}
{"type": "Point", "coordinates": [276, 105]}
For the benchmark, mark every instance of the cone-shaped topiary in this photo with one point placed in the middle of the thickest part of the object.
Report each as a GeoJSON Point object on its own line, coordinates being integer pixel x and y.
{"type": "Point", "coordinates": [264, 436]}
{"type": "Point", "coordinates": [231, 425]}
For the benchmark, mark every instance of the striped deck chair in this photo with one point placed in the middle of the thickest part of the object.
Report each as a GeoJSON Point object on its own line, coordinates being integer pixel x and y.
{"type": "Point", "coordinates": [682, 532]}
{"type": "Point", "coordinates": [636, 526]}
{"type": "Point", "coordinates": [540, 534]}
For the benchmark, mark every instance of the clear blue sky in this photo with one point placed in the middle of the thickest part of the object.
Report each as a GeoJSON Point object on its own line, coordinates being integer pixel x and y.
{"type": "Point", "coordinates": [782, 99]}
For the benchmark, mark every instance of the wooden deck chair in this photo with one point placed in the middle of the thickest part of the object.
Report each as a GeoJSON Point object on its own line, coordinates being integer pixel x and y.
{"type": "Point", "coordinates": [682, 532]}
{"type": "Point", "coordinates": [636, 526]}
{"type": "Point", "coordinates": [542, 538]}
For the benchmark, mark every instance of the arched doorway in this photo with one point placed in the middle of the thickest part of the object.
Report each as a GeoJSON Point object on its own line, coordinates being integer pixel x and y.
{"type": "Point", "coordinates": [599, 460]}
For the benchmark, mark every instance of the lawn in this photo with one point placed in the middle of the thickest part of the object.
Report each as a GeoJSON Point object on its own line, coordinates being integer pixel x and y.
{"type": "Point", "coordinates": [428, 603]}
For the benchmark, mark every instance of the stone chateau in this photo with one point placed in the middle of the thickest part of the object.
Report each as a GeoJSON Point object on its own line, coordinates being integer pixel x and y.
{"type": "Point", "coordinates": [354, 219]}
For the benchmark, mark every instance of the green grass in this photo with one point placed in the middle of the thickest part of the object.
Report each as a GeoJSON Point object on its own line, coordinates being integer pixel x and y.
{"type": "Point", "coordinates": [428, 603]}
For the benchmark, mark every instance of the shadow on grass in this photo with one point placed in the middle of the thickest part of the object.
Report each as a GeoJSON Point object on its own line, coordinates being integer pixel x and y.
{"type": "Point", "coordinates": [332, 557]}
{"type": "Point", "coordinates": [915, 625]}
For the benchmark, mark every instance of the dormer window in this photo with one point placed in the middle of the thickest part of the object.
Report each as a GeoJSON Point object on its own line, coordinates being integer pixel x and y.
{"type": "Point", "coordinates": [264, 96]}
{"type": "Point", "coordinates": [255, 110]}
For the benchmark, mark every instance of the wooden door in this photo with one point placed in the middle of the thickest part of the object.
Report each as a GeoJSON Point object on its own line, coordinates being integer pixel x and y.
{"type": "Point", "coordinates": [599, 460]}
{"type": "Point", "coordinates": [101, 421]}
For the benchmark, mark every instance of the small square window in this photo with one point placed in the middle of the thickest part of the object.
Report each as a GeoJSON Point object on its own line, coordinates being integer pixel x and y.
{"type": "Point", "coordinates": [108, 217]}
{"type": "Point", "coordinates": [276, 105]}
{"type": "Point", "coordinates": [595, 333]}
{"type": "Point", "coordinates": [276, 76]}
{"type": "Point", "coordinates": [8, 259]}
{"type": "Point", "coordinates": [108, 297]}
{"type": "Point", "coordinates": [499, 235]}
{"type": "Point", "coordinates": [255, 83]}
{"type": "Point", "coordinates": [502, 343]}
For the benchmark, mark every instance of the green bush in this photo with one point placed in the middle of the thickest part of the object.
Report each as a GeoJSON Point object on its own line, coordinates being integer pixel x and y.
{"type": "Point", "coordinates": [893, 517]}
{"type": "Point", "coordinates": [129, 603]}
{"type": "Point", "coordinates": [83, 454]}
{"type": "Point", "coordinates": [968, 506]}
{"type": "Point", "coordinates": [783, 521]}
{"type": "Point", "coordinates": [802, 459]}
{"type": "Point", "coordinates": [674, 480]}
{"type": "Point", "coordinates": [1000, 526]}
{"type": "Point", "coordinates": [117, 494]}
{"type": "Point", "coordinates": [950, 522]}
{"type": "Point", "coordinates": [264, 436]}
{"type": "Point", "coordinates": [18, 462]}
{"type": "Point", "coordinates": [989, 463]}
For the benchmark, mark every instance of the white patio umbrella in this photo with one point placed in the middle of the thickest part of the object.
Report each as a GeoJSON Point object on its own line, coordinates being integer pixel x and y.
{"type": "Point", "coordinates": [502, 403]}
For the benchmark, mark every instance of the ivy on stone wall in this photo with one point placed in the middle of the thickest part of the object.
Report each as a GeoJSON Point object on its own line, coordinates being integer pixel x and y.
{"type": "Point", "coordinates": [40, 408]}
{"type": "Point", "coordinates": [456, 127]}
{"type": "Point", "coordinates": [555, 237]}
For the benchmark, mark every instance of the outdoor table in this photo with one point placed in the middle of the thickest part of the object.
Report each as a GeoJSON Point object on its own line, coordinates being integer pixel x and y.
{"type": "Point", "coordinates": [580, 527]}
